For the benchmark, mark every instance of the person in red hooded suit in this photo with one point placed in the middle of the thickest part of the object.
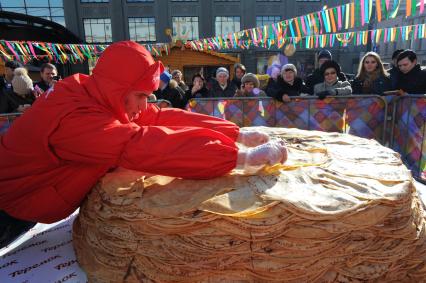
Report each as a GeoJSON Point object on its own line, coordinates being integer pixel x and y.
{"type": "Point", "coordinates": [87, 125]}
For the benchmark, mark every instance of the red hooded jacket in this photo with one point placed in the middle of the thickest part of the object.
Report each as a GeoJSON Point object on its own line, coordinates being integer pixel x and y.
{"type": "Point", "coordinates": [52, 156]}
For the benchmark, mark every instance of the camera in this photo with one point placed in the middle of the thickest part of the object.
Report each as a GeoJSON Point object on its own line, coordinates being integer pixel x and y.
{"type": "Point", "coordinates": [57, 78]}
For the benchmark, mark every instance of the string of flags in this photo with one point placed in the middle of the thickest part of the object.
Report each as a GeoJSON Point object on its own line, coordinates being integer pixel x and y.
{"type": "Point", "coordinates": [376, 36]}
{"type": "Point", "coordinates": [25, 51]}
{"type": "Point", "coordinates": [328, 21]}
{"type": "Point", "coordinates": [315, 30]}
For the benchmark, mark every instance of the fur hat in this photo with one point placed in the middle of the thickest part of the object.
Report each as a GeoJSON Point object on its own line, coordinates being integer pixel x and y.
{"type": "Point", "coordinates": [21, 82]}
{"type": "Point", "coordinates": [324, 54]}
{"type": "Point", "coordinates": [330, 64]}
{"type": "Point", "coordinates": [250, 77]}
{"type": "Point", "coordinates": [222, 70]}
{"type": "Point", "coordinates": [165, 77]}
{"type": "Point", "coordinates": [289, 67]}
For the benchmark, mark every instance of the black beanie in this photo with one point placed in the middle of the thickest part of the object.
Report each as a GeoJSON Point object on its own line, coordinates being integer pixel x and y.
{"type": "Point", "coordinates": [330, 64]}
{"type": "Point", "coordinates": [324, 54]}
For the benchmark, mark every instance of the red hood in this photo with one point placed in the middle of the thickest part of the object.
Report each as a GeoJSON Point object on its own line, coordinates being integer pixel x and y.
{"type": "Point", "coordinates": [123, 67]}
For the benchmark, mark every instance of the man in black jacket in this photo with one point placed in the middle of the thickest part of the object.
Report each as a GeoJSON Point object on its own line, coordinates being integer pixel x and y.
{"type": "Point", "coordinates": [412, 79]}
{"type": "Point", "coordinates": [316, 77]}
{"type": "Point", "coordinates": [48, 74]}
{"type": "Point", "coordinates": [6, 84]}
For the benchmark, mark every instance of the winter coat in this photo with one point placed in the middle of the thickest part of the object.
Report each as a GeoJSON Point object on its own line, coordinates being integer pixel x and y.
{"type": "Point", "coordinates": [414, 82]}
{"type": "Point", "coordinates": [55, 153]}
{"type": "Point", "coordinates": [338, 88]}
{"type": "Point", "coordinates": [175, 95]}
{"type": "Point", "coordinates": [378, 86]}
{"type": "Point", "coordinates": [237, 82]}
{"type": "Point", "coordinates": [295, 89]}
{"type": "Point", "coordinates": [394, 76]}
{"type": "Point", "coordinates": [273, 87]}
{"type": "Point", "coordinates": [5, 89]}
{"type": "Point", "coordinates": [183, 86]}
{"type": "Point", "coordinates": [42, 85]}
{"type": "Point", "coordinates": [217, 91]}
{"type": "Point", "coordinates": [316, 77]}
{"type": "Point", "coordinates": [201, 93]}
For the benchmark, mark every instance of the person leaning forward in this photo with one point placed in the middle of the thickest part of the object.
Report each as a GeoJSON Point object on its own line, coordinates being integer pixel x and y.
{"type": "Point", "coordinates": [55, 153]}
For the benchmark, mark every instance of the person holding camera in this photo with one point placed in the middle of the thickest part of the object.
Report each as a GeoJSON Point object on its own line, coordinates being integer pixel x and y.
{"type": "Point", "coordinates": [49, 76]}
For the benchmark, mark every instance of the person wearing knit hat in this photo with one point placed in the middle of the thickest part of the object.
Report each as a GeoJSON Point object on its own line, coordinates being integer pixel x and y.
{"type": "Point", "coordinates": [288, 67]}
{"type": "Point", "coordinates": [87, 126]}
{"type": "Point", "coordinates": [22, 83]}
{"type": "Point", "coordinates": [22, 97]}
{"type": "Point", "coordinates": [316, 77]}
{"type": "Point", "coordinates": [249, 86]}
{"type": "Point", "coordinates": [324, 55]}
{"type": "Point", "coordinates": [331, 85]}
{"type": "Point", "coordinates": [165, 77]}
{"type": "Point", "coordinates": [222, 87]}
{"type": "Point", "coordinates": [289, 84]}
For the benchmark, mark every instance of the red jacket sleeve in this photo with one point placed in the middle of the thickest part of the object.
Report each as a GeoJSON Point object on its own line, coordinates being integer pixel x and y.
{"type": "Point", "coordinates": [188, 152]}
{"type": "Point", "coordinates": [178, 117]}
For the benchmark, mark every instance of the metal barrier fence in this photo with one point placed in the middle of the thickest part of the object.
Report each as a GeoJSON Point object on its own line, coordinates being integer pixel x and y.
{"type": "Point", "coordinates": [360, 115]}
{"type": "Point", "coordinates": [408, 133]}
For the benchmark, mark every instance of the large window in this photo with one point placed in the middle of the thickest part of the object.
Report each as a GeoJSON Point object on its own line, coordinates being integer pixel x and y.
{"type": "Point", "coordinates": [142, 29]}
{"type": "Point", "coordinates": [267, 20]}
{"type": "Point", "coordinates": [97, 30]}
{"type": "Point", "coordinates": [225, 25]}
{"type": "Point", "coordinates": [185, 27]}
{"type": "Point", "coordinates": [52, 10]}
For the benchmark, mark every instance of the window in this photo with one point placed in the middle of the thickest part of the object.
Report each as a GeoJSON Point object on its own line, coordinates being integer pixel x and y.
{"type": "Point", "coordinates": [267, 20]}
{"type": "Point", "coordinates": [133, 1]}
{"type": "Point", "coordinates": [94, 1]}
{"type": "Point", "coordinates": [97, 30]}
{"type": "Point", "coordinates": [142, 29]}
{"type": "Point", "coordinates": [225, 25]}
{"type": "Point", "coordinates": [185, 27]}
{"type": "Point", "coordinates": [52, 10]}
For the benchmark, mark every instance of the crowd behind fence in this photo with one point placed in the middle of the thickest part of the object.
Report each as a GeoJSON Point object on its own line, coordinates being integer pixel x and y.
{"type": "Point", "coordinates": [397, 122]}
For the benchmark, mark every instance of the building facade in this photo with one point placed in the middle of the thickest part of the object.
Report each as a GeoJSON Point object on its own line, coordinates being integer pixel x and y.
{"type": "Point", "coordinates": [149, 21]}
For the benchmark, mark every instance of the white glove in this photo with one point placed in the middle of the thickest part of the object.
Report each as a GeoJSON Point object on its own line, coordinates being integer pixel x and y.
{"type": "Point", "coordinates": [253, 159]}
{"type": "Point", "coordinates": [252, 138]}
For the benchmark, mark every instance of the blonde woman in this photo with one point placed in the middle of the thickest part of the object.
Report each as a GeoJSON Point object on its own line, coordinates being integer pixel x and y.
{"type": "Point", "coordinates": [372, 78]}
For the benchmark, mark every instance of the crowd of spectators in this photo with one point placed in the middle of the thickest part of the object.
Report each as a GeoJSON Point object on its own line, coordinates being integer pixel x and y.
{"type": "Point", "coordinates": [18, 92]}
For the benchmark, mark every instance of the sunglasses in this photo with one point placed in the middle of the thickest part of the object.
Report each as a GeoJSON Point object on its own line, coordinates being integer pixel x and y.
{"type": "Point", "coordinates": [288, 70]}
{"type": "Point", "coordinates": [329, 73]}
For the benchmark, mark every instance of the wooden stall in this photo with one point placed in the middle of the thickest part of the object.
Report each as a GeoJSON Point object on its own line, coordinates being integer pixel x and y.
{"type": "Point", "coordinates": [191, 62]}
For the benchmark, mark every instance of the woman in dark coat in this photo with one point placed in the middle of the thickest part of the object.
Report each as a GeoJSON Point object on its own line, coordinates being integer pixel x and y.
{"type": "Point", "coordinates": [372, 78]}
